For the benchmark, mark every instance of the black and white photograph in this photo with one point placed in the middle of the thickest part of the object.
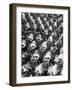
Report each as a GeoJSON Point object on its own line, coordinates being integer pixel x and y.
{"type": "Point", "coordinates": [41, 44]}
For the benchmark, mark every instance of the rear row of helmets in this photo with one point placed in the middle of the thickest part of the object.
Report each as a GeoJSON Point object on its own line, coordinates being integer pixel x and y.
{"type": "Point", "coordinates": [35, 23]}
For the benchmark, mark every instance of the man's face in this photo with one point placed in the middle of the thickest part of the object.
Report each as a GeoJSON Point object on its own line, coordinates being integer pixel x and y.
{"type": "Point", "coordinates": [43, 46]}
{"type": "Point", "coordinates": [23, 43]}
{"type": "Point", "coordinates": [32, 45]}
{"type": "Point", "coordinates": [30, 37]}
{"type": "Point", "coordinates": [38, 37]}
{"type": "Point", "coordinates": [35, 56]}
